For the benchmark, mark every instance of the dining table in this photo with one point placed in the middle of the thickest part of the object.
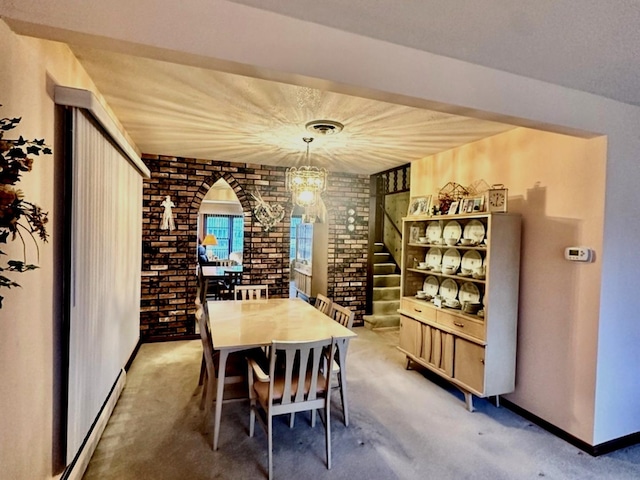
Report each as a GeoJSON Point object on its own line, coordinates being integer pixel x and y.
{"type": "Point", "coordinates": [239, 325]}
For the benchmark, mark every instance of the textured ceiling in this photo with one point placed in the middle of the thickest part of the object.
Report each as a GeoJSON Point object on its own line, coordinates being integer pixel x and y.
{"type": "Point", "coordinates": [589, 45]}
{"type": "Point", "coordinates": [178, 110]}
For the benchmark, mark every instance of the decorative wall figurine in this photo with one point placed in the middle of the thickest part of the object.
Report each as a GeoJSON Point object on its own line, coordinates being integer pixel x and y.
{"type": "Point", "coordinates": [167, 215]}
{"type": "Point", "coordinates": [267, 215]}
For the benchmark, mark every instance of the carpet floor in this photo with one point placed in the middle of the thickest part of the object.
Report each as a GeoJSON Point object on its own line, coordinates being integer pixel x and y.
{"type": "Point", "coordinates": [402, 426]}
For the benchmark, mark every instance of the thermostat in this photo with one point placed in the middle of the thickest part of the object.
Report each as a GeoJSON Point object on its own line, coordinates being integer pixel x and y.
{"type": "Point", "coordinates": [578, 254]}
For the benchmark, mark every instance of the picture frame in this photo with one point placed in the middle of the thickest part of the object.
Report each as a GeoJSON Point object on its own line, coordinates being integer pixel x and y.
{"type": "Point", "coordinates": [464, 205]}
{"type": "Point", "coordinates": [478, 204]}
{"type": "Point", "coordinates": [453, 208]}
{"type": "Point", "coordinates": [419, 205]}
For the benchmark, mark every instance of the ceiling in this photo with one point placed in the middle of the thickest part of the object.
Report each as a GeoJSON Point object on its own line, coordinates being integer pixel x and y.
{"type": "Point", "coordinates": [588, 45]}
{"type": "Point", "coordinates": [178, 110]}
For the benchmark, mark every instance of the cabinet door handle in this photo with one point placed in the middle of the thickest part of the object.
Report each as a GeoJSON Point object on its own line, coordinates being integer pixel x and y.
{"type": "Point", "coordinates": [458, 324]}
{"type": "Point", "coordinates": [419, 311]}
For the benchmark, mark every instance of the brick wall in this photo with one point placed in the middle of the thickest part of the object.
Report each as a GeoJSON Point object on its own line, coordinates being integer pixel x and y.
{"type": "Point", "coordinates": [169, 258]}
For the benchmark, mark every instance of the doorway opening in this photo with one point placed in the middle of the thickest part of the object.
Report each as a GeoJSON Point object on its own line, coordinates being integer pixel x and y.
{"type": "Point", "coordinates": [221, 215]}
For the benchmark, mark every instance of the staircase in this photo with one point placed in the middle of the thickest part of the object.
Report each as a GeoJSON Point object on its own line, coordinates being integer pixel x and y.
{"type": "Point", "coordinates": [386, 291]}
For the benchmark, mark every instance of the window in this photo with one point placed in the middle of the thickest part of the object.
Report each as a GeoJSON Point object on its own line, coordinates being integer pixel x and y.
{"type": "Point", "coordinates": [229, 231]}
{"type": "Point", "coordinates": [295, 221]}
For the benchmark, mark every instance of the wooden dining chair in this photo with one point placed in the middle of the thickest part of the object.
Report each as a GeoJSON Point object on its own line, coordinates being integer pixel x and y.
{"type": "Point", "coordinates": [344, 317]}
{"type": "Point", "coordinates": [231, 279]}
{"type": "Point", "coordinates": [234, 370]}
{"type": "Point", "coordinates": [251, 292]}
{"type": "Point", "coordinates": [295, 383]}
{"type": "Point", "coordinates": [323, 304]}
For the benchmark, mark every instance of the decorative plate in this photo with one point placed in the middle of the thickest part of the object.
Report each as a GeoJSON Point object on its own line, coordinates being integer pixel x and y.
{"type": "Point", "coordinates": [474, 230]}
{"type": "Point", "coordinates": [451, 258]}
{"type": "Point", "coordinates": [471, 260]}
{"type": "Point", "coordinates": [434, 232]}
{"type": "Point", "coordinates": [431, 285]}
{"type": "Point", "coordinates": [452, 230]}
{"type": "Point", "coordinates": [449, 289]}
{"type": "Point", "coordinates": [469, 293]}
{"type": "Point", "coordinates": [433, 257]}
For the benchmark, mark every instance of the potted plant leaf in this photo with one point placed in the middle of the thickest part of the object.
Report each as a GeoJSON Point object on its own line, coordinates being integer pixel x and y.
{"type": "Point", "coordinates": [19, 218]}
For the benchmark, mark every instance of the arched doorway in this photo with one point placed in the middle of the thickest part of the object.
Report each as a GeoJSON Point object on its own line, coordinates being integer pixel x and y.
{"type": "Point", "coordinates": [220, 214]}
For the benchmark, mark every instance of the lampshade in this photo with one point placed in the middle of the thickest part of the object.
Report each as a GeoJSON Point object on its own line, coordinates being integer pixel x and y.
{"type": "Point", "coordinates": [306, 183]}
{"type": "Point", "coordinates": [210, 240]}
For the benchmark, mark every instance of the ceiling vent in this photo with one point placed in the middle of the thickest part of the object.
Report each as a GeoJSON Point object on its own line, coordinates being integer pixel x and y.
{"type": "Point", "coordinates": [324, 127]}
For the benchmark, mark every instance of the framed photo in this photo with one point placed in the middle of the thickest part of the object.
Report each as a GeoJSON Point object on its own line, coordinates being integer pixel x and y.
{"type": "Point", "coordinates": [419, 205]}
{"type": "Point", "coordinates": [478, 204]}
{"type": "Point", "coordinates": [453, 208]}
{"type": "Point", "coordinates": [464, 205]}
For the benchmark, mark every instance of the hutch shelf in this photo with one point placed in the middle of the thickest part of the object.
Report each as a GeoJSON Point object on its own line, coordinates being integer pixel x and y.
{"type": "Point", "coordinates": [468, 266]}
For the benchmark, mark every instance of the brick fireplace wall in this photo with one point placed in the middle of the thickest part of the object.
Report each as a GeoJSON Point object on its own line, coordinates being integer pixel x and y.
{"type": "Point", "coordinates": [169, 258]}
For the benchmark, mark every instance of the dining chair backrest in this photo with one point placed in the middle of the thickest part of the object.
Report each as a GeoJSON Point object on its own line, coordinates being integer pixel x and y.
{"type": "Point", "coordinates": [251, 292]}
{"type": "Point", "coordinates": [205, 337]}
{"type": "Point", "coordinates": [301, 364]}
{"type": "Point", "coordinates": [295, 384]}
{"type": "Point", "coordinates": [342, 315]}
{"type": "Point", "coordinates": [231, 279]}
{"type": "Point", "coordinates": [323, 304]}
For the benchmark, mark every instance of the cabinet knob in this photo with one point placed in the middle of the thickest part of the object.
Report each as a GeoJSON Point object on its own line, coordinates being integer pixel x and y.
{"type": "Point", "coordinates": [419, 311]}
{"type": "Point", "coordinates": [458, 324]}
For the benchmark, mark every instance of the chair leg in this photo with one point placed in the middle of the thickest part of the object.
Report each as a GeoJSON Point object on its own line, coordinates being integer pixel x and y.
{"type": "Point", "coordinates": [313, 418]}
{"type": "Point", "coordinates": [208, 401]}
{"type": "Point", "coordinates": [252, 417]}
{"type": "Point", "coordinates": [345, 401]}
{"type": "Point", "coordinates": [204, 383]}
{"type": "Point", "coordinates": [270, 435]}
{"type": "Point", "coordinates": [327, 426]}
{"type": "Point", "coordinates": [203, 370]}
{"type": "Point", "coordinates": [292, 419]}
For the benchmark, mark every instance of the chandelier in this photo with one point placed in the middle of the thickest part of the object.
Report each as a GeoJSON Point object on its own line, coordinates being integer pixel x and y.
{"type": "Point", "coordinates": [306, 183]}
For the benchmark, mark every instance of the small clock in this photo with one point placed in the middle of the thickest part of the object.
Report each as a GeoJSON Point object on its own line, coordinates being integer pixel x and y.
{"type": "Point", "coordinates": [497, 199]}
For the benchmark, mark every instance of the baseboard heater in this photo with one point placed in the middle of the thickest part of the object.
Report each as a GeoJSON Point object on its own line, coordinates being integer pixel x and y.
{"type": "Point", "coordinates": [75, 470]}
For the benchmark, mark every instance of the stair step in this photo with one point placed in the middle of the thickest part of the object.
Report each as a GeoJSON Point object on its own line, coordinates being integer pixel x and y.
{"type": "Point", "coordinates": [386, 293]}
{"type": "Point", "coordinates": [381, 321]}
{"type": "Point", "coordinates": [386, 307]}
{"type": "Point", "coordinates": [378, 247]}
{"type": "Point", "coordinates": [384, 268]}
{"type": "Point", "coordinates": [390, 280]}
{"type": "Point", "coordinates": [381, 257]}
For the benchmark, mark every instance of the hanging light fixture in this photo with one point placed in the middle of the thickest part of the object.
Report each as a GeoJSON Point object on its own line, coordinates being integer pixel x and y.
{"type": "Point", "coordinates": [306, 183]}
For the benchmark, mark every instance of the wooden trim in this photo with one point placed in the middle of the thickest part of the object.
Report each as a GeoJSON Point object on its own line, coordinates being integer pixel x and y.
{"type": "Point", "coordinates": [173, 338]}
{"type": "Point", "coordinates": [133, 355]}
{"type": "Point", "coordinates": [80, 98]}
{"type": "Point", "coordinates": [80, 462]}
{"type": "Point", "coordinates": [593, 450]}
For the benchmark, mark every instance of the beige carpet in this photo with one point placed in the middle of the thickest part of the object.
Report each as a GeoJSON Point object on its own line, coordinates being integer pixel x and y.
{"type": "Point", "coordinates": [403, 426]}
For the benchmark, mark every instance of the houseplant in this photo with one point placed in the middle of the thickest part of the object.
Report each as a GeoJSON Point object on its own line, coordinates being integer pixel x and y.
{"type": "Point", "coordinates": [18, 217]}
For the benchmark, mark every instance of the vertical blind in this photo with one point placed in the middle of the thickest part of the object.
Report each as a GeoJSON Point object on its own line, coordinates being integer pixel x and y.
{"type": "Point", "coordinates": [106, 232]}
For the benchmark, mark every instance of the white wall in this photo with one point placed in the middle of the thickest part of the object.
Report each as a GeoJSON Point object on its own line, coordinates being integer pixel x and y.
{"type": "Point", "coordinates": [205, 32]}
{"type": "Point", "coordinates": [556, 182]}
{"type": "Point", "coordinates": [28, 70]}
